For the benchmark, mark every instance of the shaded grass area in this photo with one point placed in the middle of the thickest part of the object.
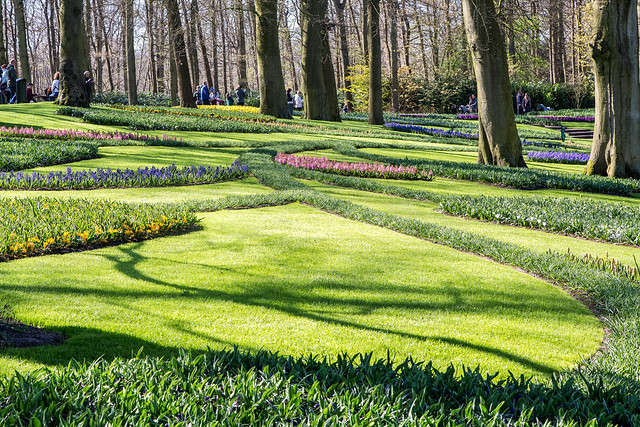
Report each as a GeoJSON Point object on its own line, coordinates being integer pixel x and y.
{"type": "Point", "coordinates": [247, 279]}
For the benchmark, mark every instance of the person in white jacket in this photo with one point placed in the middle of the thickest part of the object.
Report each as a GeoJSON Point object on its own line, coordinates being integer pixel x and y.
{"type": "Point", "coordinates": [298, 101]}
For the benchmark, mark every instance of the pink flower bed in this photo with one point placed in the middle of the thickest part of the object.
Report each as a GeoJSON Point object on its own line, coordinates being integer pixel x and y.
{"type": "Point", "coordinates": [65, 134]}
{"type": "Point", "coordinates": [365, 170]}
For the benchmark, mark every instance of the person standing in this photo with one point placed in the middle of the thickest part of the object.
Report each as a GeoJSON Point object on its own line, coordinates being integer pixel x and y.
{"type": "Point", "coordinates": [290, 101]}
{"type": "Point", "coordinates": [298, 101]}
{"type": "Point", "coordinates": [473, 104]}
{"type": "Point", "coordinates": [240, 95]}
{"type": "Point", "coordinates": [229, 100]}
{"type": "Point", "coordinates": [519, 102]}
{"type": "Point", "coordinates": [88, 82]}
{"type": "Point", "coordinates": [55, 87]}
{"type": "Point", "coordinates": [12, 81]}
{"type": "Point", "coordinates": [204, 93]}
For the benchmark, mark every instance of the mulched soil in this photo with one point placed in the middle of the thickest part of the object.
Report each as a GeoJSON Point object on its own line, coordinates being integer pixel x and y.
{"type": "Point", "coordinates": [15, 334]}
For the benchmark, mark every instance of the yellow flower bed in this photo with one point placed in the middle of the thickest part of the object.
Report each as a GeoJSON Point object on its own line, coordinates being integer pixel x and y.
{"type": "Point", "coordinates": [239, 108]}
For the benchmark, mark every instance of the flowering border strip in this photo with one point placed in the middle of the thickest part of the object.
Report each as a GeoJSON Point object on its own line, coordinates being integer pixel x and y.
{"type": "Point", "coordinates": [70, 134]}
{"type": "Point", "coordinates": [22, 153]}
{"type": "Point", "coordinates": [122, 178]}
{"type": "Point", "coordinates": [558, 157]}
{"type": "Point", "coordinates": [367, 170]}
{"type": "Point", "coordinates": [36, 226]}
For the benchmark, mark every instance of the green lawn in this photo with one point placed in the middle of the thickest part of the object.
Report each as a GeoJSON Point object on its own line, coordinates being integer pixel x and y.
{"type": "Point", "coordinates": [295, 279]}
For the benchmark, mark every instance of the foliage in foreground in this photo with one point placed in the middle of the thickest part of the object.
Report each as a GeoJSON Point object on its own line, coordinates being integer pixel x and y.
{"type": "Point", "coordinates": [122, 178]}
{"type": "Point", "coordinates": [237, 388]}
{"type": "Point", "coordinates": [27, 153]}
{"type": "Point", "coordinates": [611, 222]}
{"type": "Point", "coordinates": [42, 225]}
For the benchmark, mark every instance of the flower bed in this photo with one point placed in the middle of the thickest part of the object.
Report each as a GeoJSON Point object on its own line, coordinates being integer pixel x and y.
{"type": "Point", "coordinates": [104, 178]}
{"type": "Point", "coordinates": [558, 157]}
{"type": "Point", "coordinates": [40, 225]}
{"type": "Point", "coordinates": [70, 134]}
{"type": "Point", "coordinates": [239, 108]}
{"type": "Point", "coordinates": [28, 153]}
{"type": "Point", "coordinates": [569, 119]}
{"type": "Point", "coordinates": [430, 131]}
{"type": "Point", "coordinates": [616, 223]}
{"type": "Point", "coordinates": [368, 170]}
{"type": "Point", "coordinates": [218, 112]}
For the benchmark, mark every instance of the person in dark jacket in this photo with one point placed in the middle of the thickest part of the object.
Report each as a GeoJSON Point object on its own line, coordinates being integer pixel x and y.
{"type": "Point", "coordinates": [204, 93]}
{"type": "Point", "coordinates": [12, 81]}
{"type": "Point", "coordinates": [240, 95]}
{"type": "Point", "coordinates": [88, 82]}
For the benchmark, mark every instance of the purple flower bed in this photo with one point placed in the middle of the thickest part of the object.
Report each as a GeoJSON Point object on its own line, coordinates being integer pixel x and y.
{"type": "Point", "coordinates": [430, 131]}
{"type": "Point", "coordinates": [468, 117]}
{"type": "Point", "coordinates": [105, 178]}
{"type": "Point", "coordinates": [540, 144]}
{"type": "Point", "coordinates": [570, 119]}
{"type": "Point", "coordinates": [556, 157]}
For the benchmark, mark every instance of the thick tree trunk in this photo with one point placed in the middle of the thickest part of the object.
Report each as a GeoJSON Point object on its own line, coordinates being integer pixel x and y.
{"type": "Point", "coordinates": [173, 78]}
{"type": "Point", "coordinates": [132, 85]}
{"type": "Point", "coordinates": [616, 145]}
{"type": "Point", "coordinates": [23, 60]}
{"type": "Point", "coordinates": [375, 64]}
{"type": "Point", "coordinates": [74, 54]}
{"type": "Point", "coordinates": [312, 15]}
{"type": "Point", "coordinates": [176, 35]}
{"type": "Point", "coordinates": [329, 78]}
{"type": "Point", "coordinates": [273, 98]}
{"type": "Point", "coordinates": [365, 30]}
{"type": "Point", "coordinates": [499, 143]}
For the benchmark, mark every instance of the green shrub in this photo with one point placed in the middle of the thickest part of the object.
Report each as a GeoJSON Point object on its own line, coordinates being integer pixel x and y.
{"type": "Point", "coordinates": [144, 98]}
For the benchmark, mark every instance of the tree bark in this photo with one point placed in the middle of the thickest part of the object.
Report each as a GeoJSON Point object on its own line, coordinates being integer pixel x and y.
{"type": "Point", "coordinates": [344, 49]}
{"type": "Point", "coordinates": [23, 60]}
{"type": "Point", "coordinates": [3, 49]}
{"type": "Point", "coordinates": [176, 35]}
{"type": "Point", "coordinates": [152, 46]}
{"type": "Point", "coordinates": [203, 48]}
{"type": "Point", "coordinates": [375, 63]}
{"type": "Point", "coordinates": [616, 145]}
{"type": "Point", "coordinates": [242, 45]}
{"type": "Point", "coordinates": [132, 85]}
{"type": "Point", "coordinates": [394, 9]}
{"type": "Point", "coordinates": [329, 78]}
{"type": "Point", "coordinates": [312, 15]}
{"type": "Point", "coordinates": [499, 143]}
{"type": "Point", "coordinates": [273, 98]}
{"type": "Point", "coordinates": [74, 55]}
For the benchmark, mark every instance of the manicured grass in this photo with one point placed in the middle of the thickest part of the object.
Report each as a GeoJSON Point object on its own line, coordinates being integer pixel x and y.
{"type": "Point", "coordinates": [247, 279]}
{"type": "Point", "coordinates": [133, 157]}
{"type": "Point", "coordinates": [532, 239]}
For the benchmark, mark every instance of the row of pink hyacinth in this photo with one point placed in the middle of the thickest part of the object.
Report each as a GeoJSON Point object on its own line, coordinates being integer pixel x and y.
{"type": "Point", "coordinates": [65, 134]}
{"type": "Point", "coordinates": [366, 170]}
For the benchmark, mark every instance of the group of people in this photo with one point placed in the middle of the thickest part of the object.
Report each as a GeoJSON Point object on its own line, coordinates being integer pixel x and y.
{"type": "Point", "coordinates": [9, 86]}
{"type": "Point", "coordinates": [206, 95]}
{"type": "Point", "coordinates": [523, 103]}
{"type": "Point", "coordinates": [471, 107]}
{"type": "Point", "coordinates": [295, 101]}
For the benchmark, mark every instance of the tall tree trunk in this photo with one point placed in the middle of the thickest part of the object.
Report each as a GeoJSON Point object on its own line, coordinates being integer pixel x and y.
{"type": "Point", "coordinates": [23, 60]}
{"type": "Point", "coordinates": [284, 18]}
{"type": "Point", "coordinates": [499, 143]}
{"type": "Point", "coordinates": [152, 48]}
{"type": "Point", "coordinates": [365, 30]}
{"type": "Point", "coordinates": [406, 33]}
{"type": "Point", "coordinates": [273, 99]}
{"type": "Point", "coordinates": [203, 48]}
{"type": "Point", "coordinates": [98, 51]}
{"type": "Point", "coordinates": [74, 55]}
{"type": "Point", "coordinates": [616, 144]}
{"type": "Point", "coordinates": [242, 44]}
{"type": "Point", "coordinates": [107, 49]}
{"type": "Point", "coordinates": [191, 17]}
{"type": "Point", "coordinates": [214, 46]}
{"type": "Point", "coordinates": [312, 16]}
{"type": "Point", "coordinates": [225, 61]}
{"type": "Point", "coordinates": [3, 48]}
{"type": "Point", "coordinates": [173, 77]}
{"type": "Point", "coordinates": [88, 30]}
{"type": "Point", "coordinates": [329, 77]}
{"type": "Point", "coordinates": [375, 63]}
{"type": "Point", "coordinates": [344, 49]}
{"type": "Point", "coordinates": [393, 9]}
{"type": "Point", "coordinates": [176, 35]}
{"type": "Point", "coordinates": [132, 85]}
